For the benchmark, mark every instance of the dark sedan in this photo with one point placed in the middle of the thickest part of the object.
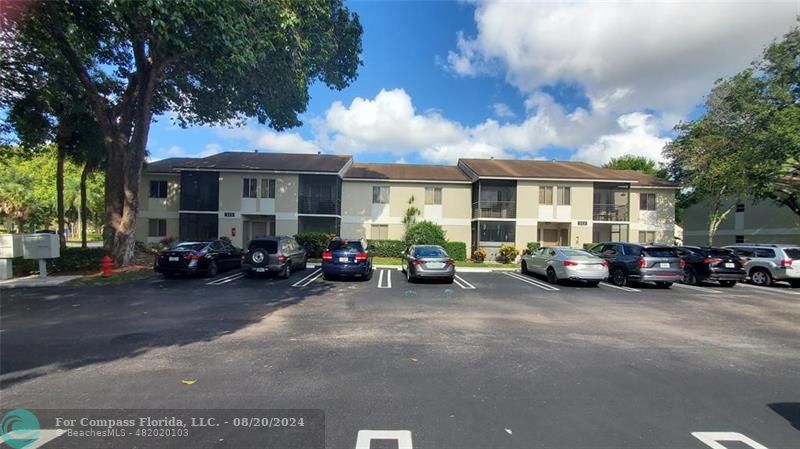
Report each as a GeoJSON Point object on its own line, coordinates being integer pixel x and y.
{"type": "Point", "coordinates": [346, 257]}
{"type": "Point", "coordinates": [711, 264]}
{"type": "Point", "coordinates": [208, 258]}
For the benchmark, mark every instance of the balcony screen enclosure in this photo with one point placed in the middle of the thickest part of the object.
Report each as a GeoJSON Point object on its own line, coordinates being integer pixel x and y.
{"type": "Point", "coordinates": [199, 191]}
{"type": "Point", "coordinates": [319, 194]}
{"type": "Point", "coordinates": [494, 199]}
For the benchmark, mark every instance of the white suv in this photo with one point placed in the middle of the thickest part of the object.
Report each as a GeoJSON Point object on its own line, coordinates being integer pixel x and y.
{"type": "Point", "coordinates": [766, 263]}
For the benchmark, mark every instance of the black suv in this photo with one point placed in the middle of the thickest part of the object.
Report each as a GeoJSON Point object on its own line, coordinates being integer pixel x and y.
{"type": "Point", "coordinates": [278, 255]}
{"type": "Point", "coordinates": [711, 264]}
{"type": "Point", "coordinates": [643, 263]}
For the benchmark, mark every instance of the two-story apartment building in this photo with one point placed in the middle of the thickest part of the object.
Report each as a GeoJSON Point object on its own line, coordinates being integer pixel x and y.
{"type": "Point", "coordinates": [483, 202]}
{"type": "Point", "coordinates": [749, 221]}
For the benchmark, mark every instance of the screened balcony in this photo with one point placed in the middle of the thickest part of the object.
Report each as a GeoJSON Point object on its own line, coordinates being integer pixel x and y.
{"type": "Point", "coordinates": [611, 202]}
{"type": "Point", "coordinates": [494, 209]}
{"type": "Point", "coordinates": [494, 199]}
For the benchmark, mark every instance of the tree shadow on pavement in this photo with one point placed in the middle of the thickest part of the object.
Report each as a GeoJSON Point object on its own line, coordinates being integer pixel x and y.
{"type": "Point", "coordinates": [790, 411]}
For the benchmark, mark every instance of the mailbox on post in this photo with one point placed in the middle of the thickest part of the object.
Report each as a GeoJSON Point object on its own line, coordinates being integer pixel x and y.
{"type": "Point", "coordinates": [10, 247]}
{"type": "Point", "coordinates": [41, 247]}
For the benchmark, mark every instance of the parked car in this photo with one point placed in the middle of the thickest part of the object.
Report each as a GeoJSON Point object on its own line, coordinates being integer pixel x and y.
{"type": "Point", "coordinates": [346, 258]}
{"type": "Point", "coordinates": [273, 255]}
{"type": "Point", "coordinates": [642, 263]}
{"type": "Point", "coordinates": [766, 263]}
{"type": "Point", "coordinates": [562, 262]}
{"type": "Point", "coordinates": [191, 258]}
{"type": "Point", "coordinates": [711, 264]}
{"type": "Point", "coordinates": [428, 262]}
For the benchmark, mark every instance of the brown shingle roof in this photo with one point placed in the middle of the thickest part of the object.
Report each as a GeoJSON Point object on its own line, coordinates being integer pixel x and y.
{"type": "Point", "coordinates": [290, 162]}
{"type": "Point", "coordinates": [169, 165]}
{"type": "Point", "coordinates": [407, 172]}
{"type": "Point", "coordinates": [645, 180]}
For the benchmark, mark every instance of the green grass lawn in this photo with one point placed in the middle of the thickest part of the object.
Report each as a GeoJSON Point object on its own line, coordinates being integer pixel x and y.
{"type": "Point", "coordinates": [116, 278]}
{"type": "Point", "coordinates": [459, 263]}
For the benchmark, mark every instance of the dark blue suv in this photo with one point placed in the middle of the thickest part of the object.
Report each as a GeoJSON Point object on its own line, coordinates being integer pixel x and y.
{"type": "Point", "coordinates": [350, 258]}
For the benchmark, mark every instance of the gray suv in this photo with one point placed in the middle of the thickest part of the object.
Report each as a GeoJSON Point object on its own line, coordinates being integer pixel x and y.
{"type": "Point", "coordinates": [642, 263]}
{"type": "Point", "coordinates": [766, 263]}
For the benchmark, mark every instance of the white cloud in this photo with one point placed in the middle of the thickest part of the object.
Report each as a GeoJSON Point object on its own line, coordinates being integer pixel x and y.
{"type": "Point", "coordinates": [266, 139]}
{"type": "Point", "coordinates": [628, 56]}
{"type": "Point", "coordinates": [501, 110]}
{"type": "Point", "coordinates": [210, 150]}
{"type": "Point", "coordinates": [638, 136]}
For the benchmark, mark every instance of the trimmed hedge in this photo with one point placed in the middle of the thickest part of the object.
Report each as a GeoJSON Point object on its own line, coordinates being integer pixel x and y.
{"type": "Point", "coordinates": [314, 242]}
{"type": "Point", "coordinates": [72, 259]}
{"type": "Point", "coordinates": [386, 248]}
{"type": "Point", "coordinates": [533, 246]}
{"type": "Point", "coordinates": [456, 250]}
{"type": "Point", "coordinates": [425, 233]}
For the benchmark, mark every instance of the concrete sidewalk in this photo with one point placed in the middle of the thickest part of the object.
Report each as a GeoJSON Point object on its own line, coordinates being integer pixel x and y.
{"type": "Point", "coordinates": [36, 281]}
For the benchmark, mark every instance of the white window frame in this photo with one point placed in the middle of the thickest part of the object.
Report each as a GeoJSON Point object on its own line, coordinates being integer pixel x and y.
{"type": "Point", "coordinates": [250, 188]}
{"type": "Point", "coordinates": [268, 187]}
{"type": "Point", "coordinates": [563, 195]}
{"type": "Point", "coordinates": [376, 230]}
{"type": "Point", "coordinates": [543, 193]}
{"type": "Point", "coordinates": [158, 222]}
{"type": "Point", "coordinates": [436, 196]}
{"type": "Point", "coordinates": [380, 194]}
{"type": "Point", "coordinates": [643, 198]}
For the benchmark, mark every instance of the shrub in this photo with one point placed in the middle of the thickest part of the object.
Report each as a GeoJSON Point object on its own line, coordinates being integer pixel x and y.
{"type": "Point", "coordinates": [456, 250]}
{"type": "Point", "coordinates": [386, 248]}
{"type": "Point", "coordinates": [71, 259]}
{"type": "Point", "coordinates": [508, 253]}
{"type": "Point", "coordinates": [533, 246]}
{"type": "Point", "coordinates": [314, 242]}
{"type": "Point", "coordinates": [479, 255]}
{"type": "Point", "coordinates": [425, 233]}
{"type": "Point", "coordinates": [589, 246]}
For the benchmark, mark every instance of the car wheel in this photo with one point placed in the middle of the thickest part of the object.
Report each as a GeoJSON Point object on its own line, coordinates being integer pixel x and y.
{"type": "Point", "coordinates": [369, 276]}
{"type": "Point", "coordinates": [760, 276]}
{"type": "Point", "coordinates": [618, 277]}
{"type": "Point", "coordinates": [286, 271]}
{"type": "Point", "coordinates": [795, 283]}
{"type": "Point", "coordinates": [523, 268]}
{"type": "Point", "coordinates": [552, 277]}
{"type": "Point", "coordinates": [689, 277]}
{"type": "Point", "coordinates": [663, 284]}
{"type": "Point", "coordinates": [409, 277]}
{"type": "Point", "coordinates": [593, 283]}
{"type": "Point", "coordinates": [212, 269]}
{"type": "Point", "coordinates": [727, 283]}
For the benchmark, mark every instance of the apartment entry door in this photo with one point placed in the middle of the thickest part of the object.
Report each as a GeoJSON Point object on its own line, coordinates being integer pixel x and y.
{"type": "Point", "coordinates": [554, 234]}
{"type": "Point", "coordinates": [257, 226]}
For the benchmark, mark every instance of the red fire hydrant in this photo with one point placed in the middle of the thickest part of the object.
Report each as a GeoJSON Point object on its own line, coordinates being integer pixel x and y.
{"type": "Point", "coordinates": [107, 265]}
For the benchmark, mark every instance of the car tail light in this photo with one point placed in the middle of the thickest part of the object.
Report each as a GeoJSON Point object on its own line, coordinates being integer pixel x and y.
{"type": "Point", "coordinates": [569, 263]}
{"type": "Point", "coordinates": [711, 261]}
{"type": "Point", "coordinates": [281, 259]}
{"type": "Point", "coordinates": [642, 262]}
{"type": "Point", "coordinates": [786, 263]}
{"type": "Point", "coordinates": [683, 264]}
{"type": "Point", "coordinates": [193, 256]}
{"type": "Point", "coordinates": [327, 256]}
{"type": "Point", "coordinates": [361, 257]}
{"type": "Point", "coordinates": [604, 263]}
{"type": "Point", "coordinates": [417, 262]}
{"type": "Point", "coordinates": [450, 262]}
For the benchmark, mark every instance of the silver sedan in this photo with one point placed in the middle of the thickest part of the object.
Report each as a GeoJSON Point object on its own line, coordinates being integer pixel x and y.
{"type": "Point", "coordinates": [562, 262]}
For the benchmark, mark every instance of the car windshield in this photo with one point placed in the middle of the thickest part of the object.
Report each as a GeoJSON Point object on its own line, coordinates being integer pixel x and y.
{"type": "Point", "coordinates": [270, 246]}
{"type": "Point", "coordinates": [190, 246]}
{"type": "Point", "coordinates": [429, 251]}
{"type": "Point", "coordinates": [345, 245]}
{"type": "Point", "coordinates": [575, 253]}
{"type": "Point", "coordinates": [792, 253]}
{"type": "Point", "coordinates": [660, 252]}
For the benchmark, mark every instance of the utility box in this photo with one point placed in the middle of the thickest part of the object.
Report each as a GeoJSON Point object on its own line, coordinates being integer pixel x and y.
{"type": "Point", "coordinates": [10, 246]}
{"type": "Point", "coordinates": [40, 246]}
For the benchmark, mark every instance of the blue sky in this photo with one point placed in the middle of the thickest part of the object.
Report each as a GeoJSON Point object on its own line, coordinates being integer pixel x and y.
{"type": "Point", "coordinates": [443, 80]}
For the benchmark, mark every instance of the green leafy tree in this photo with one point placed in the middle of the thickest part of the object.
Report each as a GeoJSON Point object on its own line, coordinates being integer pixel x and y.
{"type": "Point", "coordinates": [411, 214]}
{"type": "Point", "coordinates": [634, 162]}
{"type": "Point", "coordinates": [425, 233]}
{"type": "Point", "coordinates": [209, 62]}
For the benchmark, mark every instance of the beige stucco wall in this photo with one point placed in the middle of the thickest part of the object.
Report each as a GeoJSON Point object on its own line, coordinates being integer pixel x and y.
{"type": "Point", "coordinates": [166, 208]}
{"type": "Point", "coordinates": [661, 221]}
{"type": "Point", "coordinates": [358, 212]}
{"type": "Point", "coordinates": [142, 228]}
{"type": "Point", "coordinates": [230, 191]}
{"type": "Point", "coordinates": [761, 222]}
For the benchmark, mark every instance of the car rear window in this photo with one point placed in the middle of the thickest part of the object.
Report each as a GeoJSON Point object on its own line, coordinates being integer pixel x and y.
{"type": "Point", "coordinates": [345, 245]}
{"type": "Point", "coordinates": [768, 253]}
{"type": "Point", "coordinates": [792, 253]}
{"type": "Point", "coordinates": [719, 252]}
{"type": "Point", "coordinates": [429, 251]}
{"type": "Point", "coordinates": [660, 252]}
{"type": "Point", "coordinates": [270, 246]}
{"type": "Point", "coordinates": [190, 246]}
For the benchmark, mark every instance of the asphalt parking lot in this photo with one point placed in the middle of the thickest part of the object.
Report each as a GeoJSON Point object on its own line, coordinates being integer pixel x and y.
{"type": "Point", "coordinates": [494, 360]}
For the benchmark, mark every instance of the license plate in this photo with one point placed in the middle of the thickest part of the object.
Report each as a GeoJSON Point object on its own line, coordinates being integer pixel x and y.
{"type": "Point", "coordinates": [173, 259]}
{"type": "Point", "coordinates": [344, 259]}
{"type": "Point", "coordinates": [434, 265]}
{"type": "Point", "coordinates": [664, 265]}
{"type": "Point", "coordinates": [261, 270]}
{"type": "Point", "coordinates": [729, 265]}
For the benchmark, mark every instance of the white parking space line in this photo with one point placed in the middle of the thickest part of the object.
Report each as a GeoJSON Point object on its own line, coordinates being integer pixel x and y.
{"type": "Point", "coordinates": [694, 287]}
{"type": "Point", "coordinates": [532, 281]}
{"type": "Point", "coordinates": [385, 274]}
{"type": "Point", "coordinates": [626, 289]}
{"type": "Point", "coordinates": [774, 290]}
{"type": "Point", "coordinates": [713, 439]}
{"type": "Point", "coordinates": [365, 437]}
{"type": "Point", "coordinates": [463, 283]}
{"type": "Point", "coordinates": [308, 279]}
{"type": "Point", "coordinates": [226, 279]}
